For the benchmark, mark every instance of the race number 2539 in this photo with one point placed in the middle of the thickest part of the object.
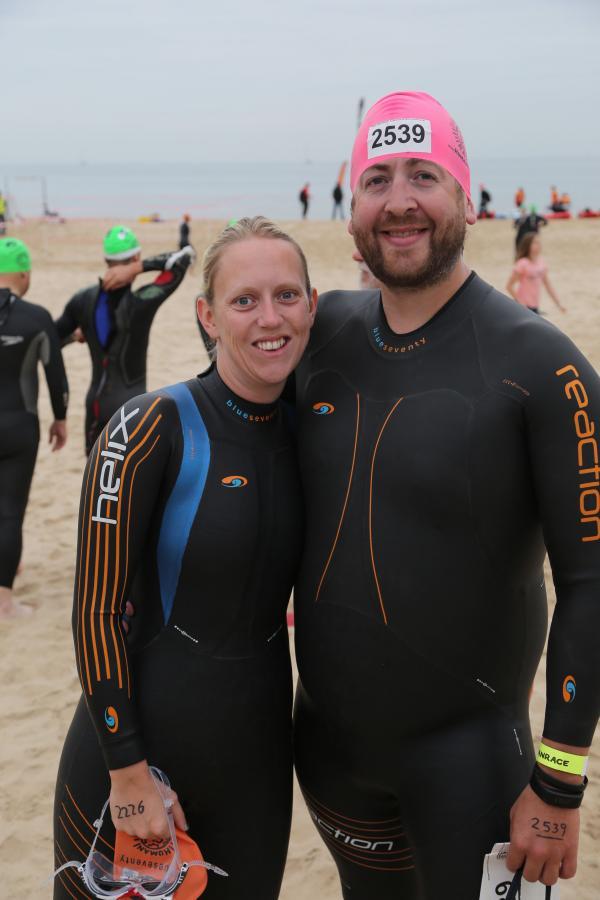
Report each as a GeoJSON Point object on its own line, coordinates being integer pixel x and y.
{"type": "Point", "coordinates": [399, 136]}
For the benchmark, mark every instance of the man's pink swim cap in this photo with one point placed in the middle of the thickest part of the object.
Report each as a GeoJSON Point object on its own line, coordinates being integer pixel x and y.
{"type": "Point", "coordinates": [410, 124]}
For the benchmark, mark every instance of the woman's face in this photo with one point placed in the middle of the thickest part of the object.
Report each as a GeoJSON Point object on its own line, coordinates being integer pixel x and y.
{"type": "Point", "coordinates": [535, 248]}
{"type": "Point", "coordinates": [261, 316]}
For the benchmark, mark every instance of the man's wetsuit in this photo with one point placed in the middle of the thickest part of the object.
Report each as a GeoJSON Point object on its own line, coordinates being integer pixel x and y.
{"type": "Point", "coordinates": [435, 466]}
{"type": "Point", "coordinates": [116, 326]}
{"type": "Point", "coordinates": [191, 507]}
{"type": "Point", "coordinates": [27, 335]}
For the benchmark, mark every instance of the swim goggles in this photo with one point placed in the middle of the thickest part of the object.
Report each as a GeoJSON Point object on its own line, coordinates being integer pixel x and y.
{"type": "Point", "coordinates": [165, 871]}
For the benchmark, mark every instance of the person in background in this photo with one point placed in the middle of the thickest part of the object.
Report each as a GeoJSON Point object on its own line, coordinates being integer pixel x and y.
{"type": "Point", "coordinates": [519, 198]}
{"type": "Point", "coordinates": [184, 232]}
{"type": "Point", "coordinates": [485, 198]}
{"type": "Point", "coordinates": [304, 197]}
{"type": "Point", "coordinates": [338, 202]}
{"type": "Point", "coordinates": [2, 214]}
{"type": "Point", "coordinates": [528, 222]}
{"type": "Point", "coordinates": [27, 337]}
{"type": "Point", "coordinates": [115, 321]}
{"type": "Point", "coordinates": [529, 273]}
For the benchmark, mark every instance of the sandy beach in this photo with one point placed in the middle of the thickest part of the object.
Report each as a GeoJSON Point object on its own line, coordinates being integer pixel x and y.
{"type": "Point", "coordinates": [37, 669]}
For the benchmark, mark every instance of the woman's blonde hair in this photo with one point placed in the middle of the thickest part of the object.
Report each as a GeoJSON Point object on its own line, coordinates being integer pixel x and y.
{"type": "Point", "coordinates": [243, 229]}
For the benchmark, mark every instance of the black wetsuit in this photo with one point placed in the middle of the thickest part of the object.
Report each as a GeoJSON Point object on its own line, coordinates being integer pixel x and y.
{"type": "Point", "coordinates": [436, 466]}
{"type": "Point", "coordinates": [27, 336]}
{"type": "Point", "coordinates": [116, 326]}
{"type": "Point", "coordinates": [191, 507]}
{"type": "Point", "coordinates": [184, 235]}
{"type": "Point", "coordinates": [528, 224]}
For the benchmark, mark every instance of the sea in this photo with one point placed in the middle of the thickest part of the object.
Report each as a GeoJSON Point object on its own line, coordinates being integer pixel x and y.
{"type": "Point", "coordinates": [230, 190]}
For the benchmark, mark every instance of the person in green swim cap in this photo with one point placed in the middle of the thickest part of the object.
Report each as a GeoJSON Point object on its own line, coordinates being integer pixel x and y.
{"type": "Point", "coordinates": [27, 337]}
{"type": "Point", "coordinates": [15, 261]}
{"type": "Point", "coordinates": [115, 321]}
{"type": "Point", "coordinates": [120, 245]}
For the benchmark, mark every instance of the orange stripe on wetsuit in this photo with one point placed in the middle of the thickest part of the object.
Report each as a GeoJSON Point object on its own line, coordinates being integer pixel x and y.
{"type": "Point", "coordinates": [92, 598]}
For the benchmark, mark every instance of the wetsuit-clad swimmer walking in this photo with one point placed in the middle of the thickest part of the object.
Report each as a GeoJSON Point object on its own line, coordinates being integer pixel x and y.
{"type": "Point", "coordinates": [446, 438]}
{"type": "Point", "coordinates": [27, 336]}
{"type": "Point", "coordinates": [116, 321]}
{"type": "Point", "coordinates": [191, 505]}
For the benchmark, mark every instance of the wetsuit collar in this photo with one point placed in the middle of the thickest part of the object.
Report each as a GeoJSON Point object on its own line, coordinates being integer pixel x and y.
{"type": "Point", "coordinates": [244, 411]}
{"type": "Point", "coordinates": [402, 346]}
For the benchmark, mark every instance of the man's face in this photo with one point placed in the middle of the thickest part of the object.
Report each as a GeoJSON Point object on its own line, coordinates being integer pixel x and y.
{"type": "Point", "coordinates": [409, 221]}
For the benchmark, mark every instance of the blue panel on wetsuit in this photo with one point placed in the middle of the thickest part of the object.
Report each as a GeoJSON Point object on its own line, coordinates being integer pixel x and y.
{"type": "Point", "coordinates": [182, 505]}
{"type": "Point", "coordinates": [102, 319]}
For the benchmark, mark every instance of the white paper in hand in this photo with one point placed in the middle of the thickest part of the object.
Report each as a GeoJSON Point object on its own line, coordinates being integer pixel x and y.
{"type": "Point", "coordinates": [497, 879]}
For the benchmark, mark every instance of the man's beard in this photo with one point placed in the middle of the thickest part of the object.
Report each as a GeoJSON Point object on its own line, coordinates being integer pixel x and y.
{"type": "Point", "coordinates": [446, 248]}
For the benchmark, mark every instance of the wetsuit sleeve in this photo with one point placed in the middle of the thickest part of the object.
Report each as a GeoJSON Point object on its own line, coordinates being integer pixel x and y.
{"type": "Point", "coordinates": [172, 268]}
{"type": "Point", "coordinates": [68, 321]}
{"type": "Point", "coordinates": [54, 369]}
{"type": "Point", "coordinates": [121, 484]}
{"type": "Point", "coordinates": [563, 416]}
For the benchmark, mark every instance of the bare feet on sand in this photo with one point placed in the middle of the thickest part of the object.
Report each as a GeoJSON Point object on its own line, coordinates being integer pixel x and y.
{"type": "Point", "coordinates": [11, 608]}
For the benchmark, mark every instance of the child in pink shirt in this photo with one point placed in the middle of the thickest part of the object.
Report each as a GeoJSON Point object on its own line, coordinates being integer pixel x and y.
{"type": "Point", "coordinates": [529, 273]}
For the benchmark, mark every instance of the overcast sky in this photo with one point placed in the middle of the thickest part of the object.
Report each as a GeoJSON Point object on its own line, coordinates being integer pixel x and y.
{"type": "Point", "coordinates": [191, 80]}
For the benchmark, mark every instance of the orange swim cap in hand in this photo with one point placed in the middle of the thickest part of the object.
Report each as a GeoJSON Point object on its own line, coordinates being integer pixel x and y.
{"type": "Point", "coordinates": [153, 858]}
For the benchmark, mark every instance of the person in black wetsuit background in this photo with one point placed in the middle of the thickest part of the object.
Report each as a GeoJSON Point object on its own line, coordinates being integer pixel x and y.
{"type": "Point", "coordinates": [338, 201]}
{"type": "Point", "coordinates": [447, 437]}
{"type": "Point", "coordinates": [115, 322]}
{"type": "Point", "coordinates": [304, 197]}
{"type": "Point", "coordinates": [191, 505]}
{"type": "Point", "coordinates": [184, 232]}
{"type": "Point", "coordinates": [27, 337]}
{"type": "Point", "coordinates": [528, 223]}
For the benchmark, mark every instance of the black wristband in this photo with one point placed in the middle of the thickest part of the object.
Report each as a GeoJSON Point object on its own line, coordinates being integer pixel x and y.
{"type": "Point", "coordinates": [555, 792]}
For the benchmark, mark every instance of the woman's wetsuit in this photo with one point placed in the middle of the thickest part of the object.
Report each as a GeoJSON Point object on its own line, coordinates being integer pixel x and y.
{"type": "Point", "coordinates": [436, 466]}
{"type": "Point", "coordinates": [27, 336]}
{"type": "Point", "coordinates": [116, 326]}
{"type": "Point", "coordinates": [191, 507]}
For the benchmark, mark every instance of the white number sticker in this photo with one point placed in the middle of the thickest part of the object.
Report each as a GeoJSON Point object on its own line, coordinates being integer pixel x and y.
{"type": "Point", "coordinates": [496, 880]}
{"type": "Point", "coordinates": [399, 136]}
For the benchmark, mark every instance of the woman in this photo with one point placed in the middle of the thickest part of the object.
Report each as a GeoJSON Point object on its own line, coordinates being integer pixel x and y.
{"type": "Point", "coordinates": [529, 273]}
{"type": "Point", "coordinates": [191, 507]}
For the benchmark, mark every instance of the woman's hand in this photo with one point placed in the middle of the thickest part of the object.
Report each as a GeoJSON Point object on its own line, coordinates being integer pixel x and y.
{"type": "Point", "coordinates": [137, 806]}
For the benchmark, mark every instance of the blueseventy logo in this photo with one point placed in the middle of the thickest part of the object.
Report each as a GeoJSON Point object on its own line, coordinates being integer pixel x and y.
{"type": "Point", "coordinates": [234, 481]}
{"type": "Point", "coordinates": [321, 408]}
{"type": "Point", "coordinates": [112, 719]}
{"type": "Point", "coordinates": [569, 689]}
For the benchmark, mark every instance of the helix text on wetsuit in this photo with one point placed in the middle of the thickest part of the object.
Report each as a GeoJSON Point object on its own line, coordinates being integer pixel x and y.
{"type": "Point", "coordinates": [109, 485]}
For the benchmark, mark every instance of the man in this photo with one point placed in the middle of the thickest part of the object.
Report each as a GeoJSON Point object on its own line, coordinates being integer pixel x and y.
{"type": "Point", "coordinates": [115, 321]}
{"type": "Point", "coordinates": [485, 198]}
{"type": "Point", "coordinates": [528, 222]}
{"type": "Point", "coordinates": [445, 436]}
{"type": "Point", "coordinates": [304, 197]}
{"type": "Point", "coordinates": [184, 232]}
{"type": "Point", "coordinates": [27, 336]}
{"type": "Point", "coordinates": [338, 201]}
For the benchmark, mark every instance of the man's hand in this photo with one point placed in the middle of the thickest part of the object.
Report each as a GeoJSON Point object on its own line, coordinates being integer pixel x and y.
{"type": "Point", "coordinates": [57, 435]}
{"type": "Point", "coordinates": [121, 275]}
{"type": "Point", "coordinates": [543, 838]}
{"type": "Point", "coordinates": [136, 803]}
